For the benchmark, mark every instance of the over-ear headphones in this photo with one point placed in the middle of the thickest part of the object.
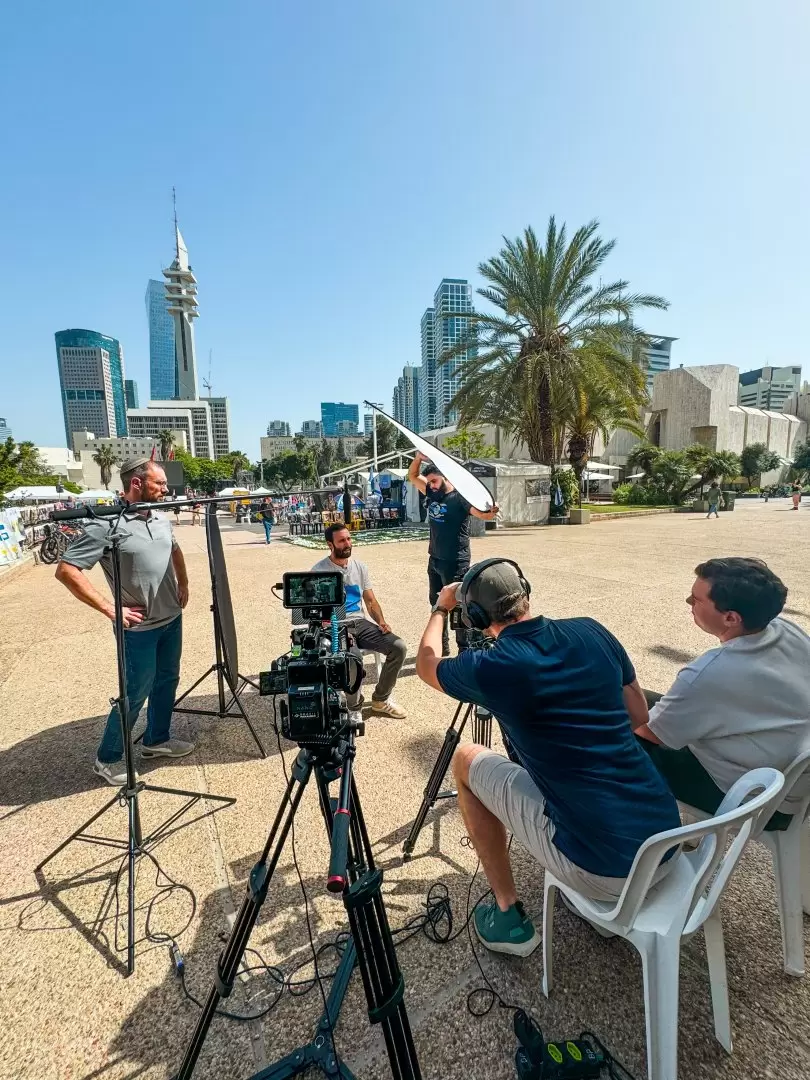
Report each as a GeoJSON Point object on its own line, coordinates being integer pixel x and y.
{"type": "Point", "coordinates": [472, 614]}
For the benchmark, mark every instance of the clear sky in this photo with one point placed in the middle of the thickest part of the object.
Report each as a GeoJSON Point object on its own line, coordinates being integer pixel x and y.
{"type": "Point", "coordinates": [334, 161]}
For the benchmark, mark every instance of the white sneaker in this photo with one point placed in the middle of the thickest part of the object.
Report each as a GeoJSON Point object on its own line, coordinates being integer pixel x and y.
{"type": "Point", "coordinates": [172, 748]}
{"type": "Point", "coordinates": [114, 772]}
{"type": "Point", "coordinates": [388, 708]}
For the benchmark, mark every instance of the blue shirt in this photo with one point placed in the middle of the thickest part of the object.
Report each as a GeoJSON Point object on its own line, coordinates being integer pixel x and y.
{"type": "Point", "coordinates": [555, 685]}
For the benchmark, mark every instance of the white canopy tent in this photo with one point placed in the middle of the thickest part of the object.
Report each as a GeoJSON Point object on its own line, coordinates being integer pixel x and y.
{"type": "Point", "coordinates": [38, 494]}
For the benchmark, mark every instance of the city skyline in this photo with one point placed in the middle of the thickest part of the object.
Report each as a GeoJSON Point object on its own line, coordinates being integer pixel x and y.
{"type": "Point", "coordinates": [714, 167]}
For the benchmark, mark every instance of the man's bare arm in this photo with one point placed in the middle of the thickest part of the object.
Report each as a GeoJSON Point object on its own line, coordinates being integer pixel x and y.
{"type": "Point", "coordinates": [83, 589]}
{"type": "Point", "coordinates": [485, 515]}
{"type": "Point", "coordinates": [179, 564]}
{"type": "Point", "coordinates": [636, 704]}
{"type": "Point", "coordinates": [413, 472]}
{"type": "Point", "coordinates": [375, 611]}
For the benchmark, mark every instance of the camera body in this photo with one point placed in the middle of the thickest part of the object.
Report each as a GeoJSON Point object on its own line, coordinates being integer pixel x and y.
{"type": "Point", "coordinates": [473, 639]}
{"type": "Point", "coordinates": [317, 670]}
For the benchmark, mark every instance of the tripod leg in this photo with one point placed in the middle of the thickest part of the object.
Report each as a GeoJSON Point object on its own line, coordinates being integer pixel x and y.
{"type": "Point", "coordinates": [260, 877]}
{"type": "Point", "coordinates": [135, 842]}
{"type": "Point", "coordinates": [451, 740]}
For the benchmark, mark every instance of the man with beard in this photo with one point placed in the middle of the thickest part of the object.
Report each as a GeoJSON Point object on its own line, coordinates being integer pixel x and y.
{"type": "Point", "coordinates": [448, 513]}
{"type": "Point", "coordinates": [370, 636]}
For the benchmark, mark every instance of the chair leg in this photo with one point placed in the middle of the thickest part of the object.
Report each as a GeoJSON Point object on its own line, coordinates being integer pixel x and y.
{"type": "Point", "coordinates": [718, 977]}
{"type": "Point", "coordinates": [786, 849]}
{"type": "Point", "coordinates": [660, 961]}
{"type": "Point", "coordinates": [548, 935]}
{"type": "Point", "coordinates": [804, 848]}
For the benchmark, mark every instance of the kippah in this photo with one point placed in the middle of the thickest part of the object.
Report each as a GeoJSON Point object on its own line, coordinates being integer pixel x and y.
{"type": "Point", "coordinates": [133, 463]}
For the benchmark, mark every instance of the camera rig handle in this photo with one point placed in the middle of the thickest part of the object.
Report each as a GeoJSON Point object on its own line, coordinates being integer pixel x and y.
{"type": "Point", "coordinates": [337, 879]}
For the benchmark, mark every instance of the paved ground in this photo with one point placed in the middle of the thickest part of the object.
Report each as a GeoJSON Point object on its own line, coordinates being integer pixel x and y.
{"type": "Point", "coordinates": [65, 1010]}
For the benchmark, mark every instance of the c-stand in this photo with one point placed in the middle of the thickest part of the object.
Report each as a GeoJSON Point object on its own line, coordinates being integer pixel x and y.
{"type": "Point", "coordinates": [481, 733]}
{"type": "Point", "coordinates": [353, 873]}
{"type": "Point", "coordinates": [136, 843]}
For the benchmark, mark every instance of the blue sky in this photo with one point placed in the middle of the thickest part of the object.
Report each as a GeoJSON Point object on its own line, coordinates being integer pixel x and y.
{"type": "Point", "coordinates": [334, 161]}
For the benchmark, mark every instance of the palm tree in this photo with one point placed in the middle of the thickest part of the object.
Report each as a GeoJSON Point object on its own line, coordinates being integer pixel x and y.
{"type": "Point", "coordinates": [595, 408]}
{"type": "Point", "coordinates": [239, 463]}
{"type": "Point", "coordinates": [553, 329]}
{"type": "Point", "coordinates": [166, 440]}
{"type": "Point", "coordinates": [105, 457]}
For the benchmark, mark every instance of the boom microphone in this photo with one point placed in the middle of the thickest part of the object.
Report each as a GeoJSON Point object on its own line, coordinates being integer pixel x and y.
{"type": "Point", "coordinates": [104, 510]}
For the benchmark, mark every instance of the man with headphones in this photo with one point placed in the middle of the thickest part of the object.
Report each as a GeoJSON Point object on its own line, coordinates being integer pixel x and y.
{"type": "Point", "coordinates": [585, 796]}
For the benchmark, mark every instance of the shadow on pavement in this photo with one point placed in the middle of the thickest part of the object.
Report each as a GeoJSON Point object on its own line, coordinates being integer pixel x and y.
{"type": "Point", "coordinates": [678, 655]}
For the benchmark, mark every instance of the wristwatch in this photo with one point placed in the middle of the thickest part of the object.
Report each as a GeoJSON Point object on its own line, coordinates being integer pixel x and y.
{"type": "Point", "coordinates": [441, 610]}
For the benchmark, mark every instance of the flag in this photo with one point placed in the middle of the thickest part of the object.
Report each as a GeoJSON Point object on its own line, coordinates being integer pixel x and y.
{"type": "Point", "coordinates": [558, 495]}
{"type": "Point", "coordinates": [152, 455]}
{"type": "Point", "coordinates": [373, 482]}
{"type": "Point", "coordinates": [171, 454]}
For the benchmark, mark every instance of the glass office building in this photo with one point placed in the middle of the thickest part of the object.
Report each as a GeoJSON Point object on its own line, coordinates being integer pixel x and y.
{"type": "Point", "coordinates": [131, 393]}
{"type": "Point", "coordinates": [91, 381]}
{"type": "Point", "coordinates": [162, 365]}
{"type": "Point", "coordinates": [442, 327]}
{"type": "Point", "coordinates": [334, 413]}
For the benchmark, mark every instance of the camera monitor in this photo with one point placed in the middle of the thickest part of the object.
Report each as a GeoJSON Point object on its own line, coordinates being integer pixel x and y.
{"type": "Point", "coordinates": [313, 590]}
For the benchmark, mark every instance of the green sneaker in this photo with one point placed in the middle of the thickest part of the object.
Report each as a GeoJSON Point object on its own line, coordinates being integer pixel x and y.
{"type": "Point", "coordinates": [509, 931]}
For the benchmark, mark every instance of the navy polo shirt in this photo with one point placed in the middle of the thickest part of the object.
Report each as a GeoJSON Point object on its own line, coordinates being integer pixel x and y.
{"type": "Point", "coordinates": [555, 685]}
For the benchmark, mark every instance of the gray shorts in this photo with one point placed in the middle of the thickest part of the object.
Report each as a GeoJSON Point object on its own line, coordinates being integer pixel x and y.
{"type": "Point", "coordinates": [507, 790]}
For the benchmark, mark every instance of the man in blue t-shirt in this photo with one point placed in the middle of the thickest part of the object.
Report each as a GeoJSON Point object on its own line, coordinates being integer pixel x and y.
{"type": "Point", "coordinates": [585, 796]}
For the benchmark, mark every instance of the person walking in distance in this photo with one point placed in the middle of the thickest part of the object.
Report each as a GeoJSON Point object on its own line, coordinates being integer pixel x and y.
{"type": "Point", "coordinates": [797, 494]}
{"type": "Point", "coordinates": [448, 514]}
{"type": "Point", "coordinates": [268, 518]}
{"type": "Point", "coordinates": [714, 500]}
{"type": "Point", "coordinates": [155, 591]}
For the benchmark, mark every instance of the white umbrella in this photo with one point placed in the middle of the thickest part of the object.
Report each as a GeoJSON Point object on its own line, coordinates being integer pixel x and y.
{"type": "Point", "coordinates": [636, 476]}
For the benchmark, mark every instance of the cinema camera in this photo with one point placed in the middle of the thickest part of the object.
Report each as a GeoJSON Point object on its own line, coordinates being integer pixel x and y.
{"type": "Point", "coordinates": [473, 639]}
{"type": "Point", "coordinates": [319, 668]}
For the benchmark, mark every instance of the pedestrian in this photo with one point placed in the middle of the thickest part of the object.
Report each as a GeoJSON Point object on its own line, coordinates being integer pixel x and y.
{"type": "Point", "coordinates": [449, 549]}
{"type": "Point", "coordinates": [195, 513]}
{"type": "Point", "coordinates": [797, 494]}
{"type": "Point", "coordinates": [268, 518]}
{"type": "Point", "coordinates": [714, 500]}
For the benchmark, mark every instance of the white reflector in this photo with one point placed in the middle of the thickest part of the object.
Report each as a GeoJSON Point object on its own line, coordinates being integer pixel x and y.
{"type": "Point", "coordinates": [467, 485]}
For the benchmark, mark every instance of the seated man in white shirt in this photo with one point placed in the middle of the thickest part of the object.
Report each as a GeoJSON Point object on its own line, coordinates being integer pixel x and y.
{"type": "Point", "coordinates": [375, 636]}
{"type": "Point", "coordinates": [738, 707]}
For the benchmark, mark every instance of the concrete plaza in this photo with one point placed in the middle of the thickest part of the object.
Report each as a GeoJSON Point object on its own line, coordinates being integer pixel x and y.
{"type": "Point", "coordinates": [67, 1012]}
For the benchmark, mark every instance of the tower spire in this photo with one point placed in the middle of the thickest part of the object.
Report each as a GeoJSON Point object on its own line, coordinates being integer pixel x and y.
{"type": "Point", "coordinates": [176, 230]}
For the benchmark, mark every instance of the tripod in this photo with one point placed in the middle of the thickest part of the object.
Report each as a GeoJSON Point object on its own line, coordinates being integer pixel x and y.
{"type": "Point", "coordinates": [226, 664]}
{"type": "Point", "coordinates": [136, 843]}
{"type": "Point", "coordinates": [353, 873]}
{"type": "Point", "coordinates": [481, 733]}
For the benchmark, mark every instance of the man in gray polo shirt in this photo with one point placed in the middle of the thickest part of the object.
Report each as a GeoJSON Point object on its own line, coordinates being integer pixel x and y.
{"type": "Point", "coordinates": [155, 591]}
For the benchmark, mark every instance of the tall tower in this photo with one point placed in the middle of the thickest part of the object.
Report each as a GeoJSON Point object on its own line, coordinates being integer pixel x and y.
{"type": "Point", "coordinates": [181, 298]}
{"type": "Point", "coordinates": [91, 379]}
{"type": "Point", "coordinates": [162, 361]}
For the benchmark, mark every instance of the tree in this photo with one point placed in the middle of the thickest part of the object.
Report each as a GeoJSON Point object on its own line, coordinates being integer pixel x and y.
{"type": "Point", "coordinates": [211, 474]}
{"type": "Point", "coordinates": [755, 459]}
{"type": "Point", "coordinates": [191, 469]}
{"type": "Point", "coordinates": [553, 328]}
{"type": "Point", "coordinates": [324, 458]}
{"type": "Point", "coordinates": [341, 457]}
{"type": "Point", "coordinates": [644, 456]}
{"type": "Point", "coordinates": [166, 440]}
{"type": "Point", "coordinates": [22, 457]}
{"type": "Point", "coordinates": [388, 438]}
{"type": "Point", "coordinates": [106, 458]}
{"type": "Point", "coordinates": [237, 463]}
{"type": "Point", "coordinates": [670, 472]}
{"type": "Point", "coordinates": [592, 408]}
{"type": "Point", "coordinates": [468, 444]}
{"type": "Point", "coordinates": [801, 458]}
{"type": "Point", "coordinates": [289, 470]}
{"type": "Point", "coordinates": [711, 465]}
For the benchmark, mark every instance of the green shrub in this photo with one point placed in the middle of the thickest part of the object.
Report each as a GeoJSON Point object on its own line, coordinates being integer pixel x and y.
{"type": "Point", "coordinates": [621, 494]}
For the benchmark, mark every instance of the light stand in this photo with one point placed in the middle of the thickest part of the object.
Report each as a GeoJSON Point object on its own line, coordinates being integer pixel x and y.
{"type": "Point", "coordinates": [353, 873]}
{"type": "Point", "coordinates": [482, 734]}
{"type": "Point", "coordinates": [136, 843]}
{"type": "Point", "coordinates": [223, 667]}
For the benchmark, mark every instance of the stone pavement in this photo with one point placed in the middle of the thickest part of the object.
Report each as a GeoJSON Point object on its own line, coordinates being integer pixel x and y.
{"type": "Point", "coordinates": [66, 1011]}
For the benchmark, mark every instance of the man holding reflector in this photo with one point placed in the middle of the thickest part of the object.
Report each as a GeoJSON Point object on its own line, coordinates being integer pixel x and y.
{"type": "Point", "coordinates": [449, 516]}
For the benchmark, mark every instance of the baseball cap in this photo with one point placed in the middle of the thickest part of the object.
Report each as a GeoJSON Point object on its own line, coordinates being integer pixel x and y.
{"type": "Point", "coordinates": [493, 584]}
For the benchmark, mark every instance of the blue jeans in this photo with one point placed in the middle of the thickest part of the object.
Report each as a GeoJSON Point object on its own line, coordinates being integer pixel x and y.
{"type": "Point", "coordinates": [153, 671]}
{"type": "Point", "coordinates": [268, 525]}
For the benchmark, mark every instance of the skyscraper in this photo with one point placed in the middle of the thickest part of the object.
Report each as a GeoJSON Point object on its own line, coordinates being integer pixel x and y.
{"type": "Point", "coordinates": [368, 423]}
{"type": "Point", "coordinates": [91, 379]}
{"type": "Point", "coordinates": [311, 429]}
{"type": "Point", "coordinates": [427, 383]}
{"type": "Point", "coordinates": [332, 412]}
{"type": "Point", "coordinates": [444, 326]}
{"type": "Point", "coordinates": [5, 430]}
{"type": "Point", "coordinates": [408, 385]}
{"type": "Point", "coordinates": [162, 361]}
{"type": "Point", "coordinates": [131, 393]}
{"type": "Point", "coordinates": [279, 428]}
{"type": "Point", "coordinates": [181, 296]}
{"type": "Point", "coordinates": [769, 387]}
{"type": "Point", "coordinates": [658, 357]}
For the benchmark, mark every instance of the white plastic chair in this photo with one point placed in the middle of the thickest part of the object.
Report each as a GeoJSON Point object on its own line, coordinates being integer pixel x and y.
{"type": "Point", "coordinates": [655, 918]}
{"type": "Point", "coordinates": [790, 852]}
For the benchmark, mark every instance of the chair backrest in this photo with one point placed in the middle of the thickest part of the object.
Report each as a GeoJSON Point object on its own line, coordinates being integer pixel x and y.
{"type": "Point", "coordinates": [711, 863]}
{"type": "Point", "coordinates": [796, 792]}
